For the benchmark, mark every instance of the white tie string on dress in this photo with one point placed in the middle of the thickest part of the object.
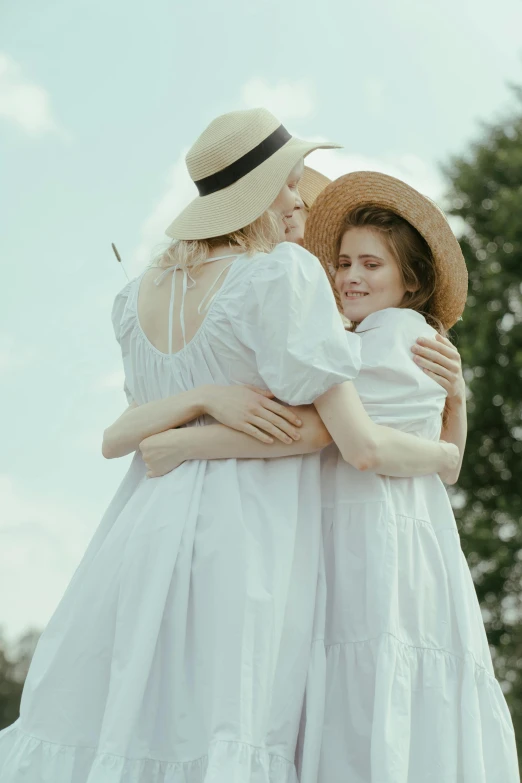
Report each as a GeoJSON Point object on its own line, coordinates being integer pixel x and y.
{"type": "Point", "coordinates": [187, 277]}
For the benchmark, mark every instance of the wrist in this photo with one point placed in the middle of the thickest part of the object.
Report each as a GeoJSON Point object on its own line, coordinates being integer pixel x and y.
{"type": "Point", "coordinates": [182, 442]}
{"type": "Point", "coordinates": [458, 399]}
{"type": "Point", "coordinates": [450, 459]}
{"type": "Point", "coordinates": [202, 398]}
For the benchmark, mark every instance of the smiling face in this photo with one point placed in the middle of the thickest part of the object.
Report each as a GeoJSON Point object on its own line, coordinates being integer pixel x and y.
{"type": "Point", "coordinates": [286, 201]}
{"type": "Point", "coordinates": [368, 276]}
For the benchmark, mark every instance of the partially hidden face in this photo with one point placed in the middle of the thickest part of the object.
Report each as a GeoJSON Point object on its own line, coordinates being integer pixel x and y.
{"type": "Point", "coordinates": [287, 200]}
{"type": "Point", "coordinates": [367, 275]}
{"type": "Point", "coordinates": [295, 226]}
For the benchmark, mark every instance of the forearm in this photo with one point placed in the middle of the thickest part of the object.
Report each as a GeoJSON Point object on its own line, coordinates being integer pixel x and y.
{"type": "Point", "coordinates": [369, 446]}
{"type": "Point", "coordinates": [403, 455]}
{"type": "Point", "coordinates": [138, 423]}
{"type": "Point", "coordinates": [216, 441]}
{"type": "Point", "coordinates": [455, 430]}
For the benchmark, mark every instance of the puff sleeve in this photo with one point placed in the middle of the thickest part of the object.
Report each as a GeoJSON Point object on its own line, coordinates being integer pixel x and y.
{"type": "Point", "coordinates": [290, 321]}
{"type": "Point", "coordinates": [120, 325]}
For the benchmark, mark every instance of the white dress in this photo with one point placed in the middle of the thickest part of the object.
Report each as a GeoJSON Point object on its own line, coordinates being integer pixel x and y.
{"type": "Point", "coordinates": [411, 694]}
{"type": "Point", "coordinates": [182, 646]}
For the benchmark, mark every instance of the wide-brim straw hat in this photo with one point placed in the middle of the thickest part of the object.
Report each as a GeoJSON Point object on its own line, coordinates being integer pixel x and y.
{"type": "Point", "coordinates": [311, 184]}
{"type": "Point", "coordinates": [368, 188]}
{"type": "Point", "coordinates": [239, 165]}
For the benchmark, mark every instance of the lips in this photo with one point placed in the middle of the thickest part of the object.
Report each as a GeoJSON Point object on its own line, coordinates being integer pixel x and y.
{"type": "Point", "coordinates": [352, 295]}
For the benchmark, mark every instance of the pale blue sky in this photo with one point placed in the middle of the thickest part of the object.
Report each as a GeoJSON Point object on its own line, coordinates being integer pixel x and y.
{"type": "Point", "coordinates": [98, 102]}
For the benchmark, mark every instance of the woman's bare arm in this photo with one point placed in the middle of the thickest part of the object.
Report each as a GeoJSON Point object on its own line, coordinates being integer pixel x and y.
{"type": "Point", "coordinates": [370, 446]}
{"type": "Point", "coordinates": [166, 451]}
{"type": "Point", "coordinates": [364, 444]}
{"type": "Point", "coordinates": [140, 421]}
{"type": "Point", "coordinates": [441, 361]}
{"type": "Point", "coordinates": [244, 408]}
{"type": "Point", "coordinates": [455, 430]}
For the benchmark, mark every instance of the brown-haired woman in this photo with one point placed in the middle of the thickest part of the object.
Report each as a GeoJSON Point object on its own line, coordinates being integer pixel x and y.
{"type": "Point", "coordinates": [411, 695]}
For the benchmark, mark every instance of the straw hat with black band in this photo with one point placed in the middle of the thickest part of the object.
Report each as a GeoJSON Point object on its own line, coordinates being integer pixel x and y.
{"type": "Point", "coordinates": [239, 165]}
{"type": "Point", "coordinates": [368, 188]}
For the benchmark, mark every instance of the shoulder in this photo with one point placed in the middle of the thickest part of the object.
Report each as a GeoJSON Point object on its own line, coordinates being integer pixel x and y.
{"type": "Point", "coordinates": [287, 260]}
{"type": "Point", "coordinates": [394, 323]}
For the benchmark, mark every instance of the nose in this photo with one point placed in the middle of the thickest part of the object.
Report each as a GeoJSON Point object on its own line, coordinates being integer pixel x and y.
{"type": "Point", "coordinates": [352, 277]}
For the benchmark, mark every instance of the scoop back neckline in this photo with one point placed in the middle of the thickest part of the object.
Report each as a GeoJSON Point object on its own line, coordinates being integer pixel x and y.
{"type": "Point", "coordinates": [138, 281]}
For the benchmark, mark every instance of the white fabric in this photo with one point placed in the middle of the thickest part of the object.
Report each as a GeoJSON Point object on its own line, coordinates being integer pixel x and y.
{"type": "Point", "coordinates": [181, 648]}
{"type": "Point", "coordinates": [411, 694]}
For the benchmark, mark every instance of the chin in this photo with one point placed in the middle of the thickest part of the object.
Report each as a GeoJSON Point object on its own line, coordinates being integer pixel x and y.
{"type": "Point", "coordinates": [293, 236]}
{"type": "Point", "coordinates": [356, 314]}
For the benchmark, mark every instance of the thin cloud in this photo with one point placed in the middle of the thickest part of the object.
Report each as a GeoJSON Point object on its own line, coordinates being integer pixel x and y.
{"type": "Point", "coordinates": [421, 175]}
{"type": "Point", "coordinates": [111, 380]}
{"type": "Point", "coordinates": [41, 543]}
{"type": "Point", "coordinates": [288, 100]}
{"type": "Point", "coordinates": [23, 102]}
{"type": "Point", "coordinates": [180, 190]}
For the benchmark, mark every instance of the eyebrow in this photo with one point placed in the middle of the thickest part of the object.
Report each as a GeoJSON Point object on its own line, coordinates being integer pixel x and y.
{"type": "Point", "coordinates": [365, 255]}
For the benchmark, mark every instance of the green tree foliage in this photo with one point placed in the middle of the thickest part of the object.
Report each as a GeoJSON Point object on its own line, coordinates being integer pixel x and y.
{"type": "Point", "coordinates": [487, 194]}
{"type": "Point", "coordinates": [14, 665]}
{"type": "Point", "coordinates": [10, 689]}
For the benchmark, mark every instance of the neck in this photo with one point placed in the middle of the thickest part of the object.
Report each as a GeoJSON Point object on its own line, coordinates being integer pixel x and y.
{"type": "Point", "coordinates": [222, 250]}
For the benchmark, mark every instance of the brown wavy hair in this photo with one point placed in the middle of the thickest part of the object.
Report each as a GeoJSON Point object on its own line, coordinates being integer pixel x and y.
{"type": "Point", "coordinates": [411, 252]}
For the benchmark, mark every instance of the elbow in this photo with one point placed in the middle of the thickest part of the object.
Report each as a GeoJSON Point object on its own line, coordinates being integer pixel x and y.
{"type": "Point", "coordinates": [108, 446]}
{"type": "Point", "coordinates": [451, 478]}
{"type": "Point", "coordinates": [365, 457]}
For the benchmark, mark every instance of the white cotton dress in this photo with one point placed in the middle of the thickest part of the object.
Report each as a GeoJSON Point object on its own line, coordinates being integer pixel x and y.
{"type": "Point", "coordinates": [411, 696]}
{"type": "Point", "coordinates": [182, 646]}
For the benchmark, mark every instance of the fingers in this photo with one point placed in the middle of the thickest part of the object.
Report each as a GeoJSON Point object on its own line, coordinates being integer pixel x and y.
{"type": "Point", "coordinates": [263, 392]}
{"type": "Point", "coordinates": [283, 411]}
{"type": "Point", "coordinates": [435, 357]}
{"type": "Point", "coordinates": [278, 422]}
{"type": "Point", "coordinates": [254, 432]}
{"type": "Point", "coordinates": [441, 347]}
{"type": "Point", "coordinates": [439, 379]}
{"type": "Point", "coordinates": [275, 431]}
{"type": "Point", "coordinates": [436, 368]}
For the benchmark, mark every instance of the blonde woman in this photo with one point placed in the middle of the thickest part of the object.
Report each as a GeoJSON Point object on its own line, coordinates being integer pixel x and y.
{"type": "Point", "coordinates": [182, 646]}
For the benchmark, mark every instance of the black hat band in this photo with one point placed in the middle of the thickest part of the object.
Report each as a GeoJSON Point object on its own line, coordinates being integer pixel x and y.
{"type": "Point", "coordinates": [244, 165]}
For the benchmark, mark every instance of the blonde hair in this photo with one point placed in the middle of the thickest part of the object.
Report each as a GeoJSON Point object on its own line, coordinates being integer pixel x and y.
{"type": "Point", "coordinates": [261, 236]}
{"type": "Point", "coordinates": [411, 252]}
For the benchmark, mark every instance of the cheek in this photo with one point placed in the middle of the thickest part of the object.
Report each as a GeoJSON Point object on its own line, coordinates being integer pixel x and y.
{"type": "Point", "coordinates": [285, 202]}
{"type": "Point", "coordinates": [385, 284]}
